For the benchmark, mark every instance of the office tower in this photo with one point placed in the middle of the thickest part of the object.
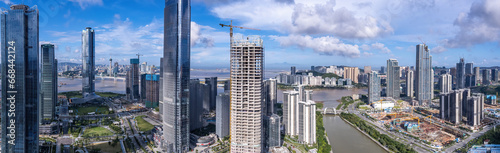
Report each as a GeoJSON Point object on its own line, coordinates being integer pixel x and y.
{"type": "Point", "coordinates": [382, 70]}
{"type": "Point", "coordinates": [199, 103]}
{"type": "Point", "coordinates": [115, 68]}
{"type": "Point", "coordinates": [424, 76]}
{"type": "Point", "coordinates": [393, 79]}
{"type": "Point", "coordinates": [410, 80]}
{"type": "Point", "coordinates": [293, 70]}
{"type": "Point", "coordinates": [494, 75]}
{"type": "Point", "coordinates": [212, 84]}
{"type": "Point", "coordinates": [150, 90]}
{"type": "Point", "coordinates": [445, 83]}
{"type": "Point", "coordinates": [367, 69]}
{"type": "Point", "coordinates": [460, 74]}
{"type": "Point", "coordinates": [475, 105]}
{"type": "Point", "coordinates": [290, 111]}
{"type": "Point", "coordinates": [477, 72]}
{"type": "Point", "coordinates": [247, 70]}
{"type": "Point", "coordinates": [88, 60]}
{"type": "Point", "coordinates": [470, 80]}
{"type": "Point", "coordinates": [48, 92]}
{"type": "Point", "coordinates": [161, 89]}
{"type": "Point", "coordinates": [469, 68]}
{"type": "Point", "coordinates": [110, 68]}
{"type": "Point", "coordinates": [270, 95]}
{"type": "Point", "coordinates": [351, 73]}
{"type": "Point", "coordinates": [273, 130]}
{"type": "Point", "coordinates": [453, 73]}
{"type": "Point", "coordinates": [307, 122]}
{"type": "Point", "coordinates": [133, 80]}
{"type": "Point", "coordinates": [451, 106]}
{"type": "Point", "coordinates": [373, 87]}
{"type": "Point", "coordinates": [222, 115]}
{"type": "Point", "coordinates": [486, 77]}
{"type": "Point", "coordinates": [176, 69]}
{"type": "Point", "coordinates": [227, 86]}
{"type": "Point", "coordinates": [20, 79]}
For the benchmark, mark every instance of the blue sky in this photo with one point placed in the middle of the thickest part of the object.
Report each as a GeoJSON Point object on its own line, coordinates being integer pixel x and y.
{"type": "Point", "coordinates": [296, 32]}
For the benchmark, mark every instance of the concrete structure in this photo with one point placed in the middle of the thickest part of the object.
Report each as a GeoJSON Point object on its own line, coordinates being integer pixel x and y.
{"type": "Point", "coordinates": [383, 105]}
{"type": "Point", "coordinates": [460, 74]}
{"type": "Point", "coordinates": [212, 84]}
{"type": "Point", "coordinates": [199, 103]}
{"type": "Point", "coordinates": [445, 83]}
{"type": "Point", "coordinates": [351, 73]}
{"type": "Point", "coordinates": [175, 75]}
{"type": "Point", "coordinates": [88, 60]}
{"type": "Point", "coordinates": [150, 90]}
{"type": "Point", "coordinates": [410, 80]}
{"type": "Point", "coordinates": [475, 106]}
{"type": "Point", "coordinates": [290, 111]}
{"type": "Point", "coordinates": [307, 122]}
{"type": "Point", "coordinates": [469, 68]}
{"type": "Point", "coordinates": [270, 95]}
{"type": "Point", "coordinates": [132, 80]}
{"type": "Point", "coordinates": [477, 72]}
{"type": "Point", "coordinates": [451, 106]}
{"type": "Point", "coordinates": [20, 79]}
{"type": "Point", "coordinates": [247, 72]}
{"type": "Point", "coordinates": [273, 131]}
{"type": "Point", "coordinates": [486, 148]}
{"type": "Point", "coordinates": [373, 87]}
{"type": "Point", "coordinates": [423, 75]}
{"type": "Point", "coordinates": [48, 92]}
{"type": "Point", "coordinates": [367, 69]}
{"type": "Point", "coordinates": [486, 76]}
{"type": "Point", "coordinates": [110, 68]}
{"type": "Point", "coordinates": [222, 115]}
{"type": "Point", "coordinates": [393, 79]}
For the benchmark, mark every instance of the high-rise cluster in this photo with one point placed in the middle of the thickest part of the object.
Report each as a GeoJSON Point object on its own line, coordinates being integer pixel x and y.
{"type": "Point", "coordinates": [299, 115]}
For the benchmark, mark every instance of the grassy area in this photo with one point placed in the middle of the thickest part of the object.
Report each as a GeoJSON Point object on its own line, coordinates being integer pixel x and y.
{"type": "Point", "coordinates": [96, 131]}
{"type": "Point", "coordinates": [106, 147]}
{"type": "Point", "coordinates": [75, 131]}
{"type": "Point", "coordinates": [330, 75]}
{"type": "Point", "coordinates": [109, 94]}
{"type": "Point", "coordinates": [323, 146]}
{"type": "Point", "coordinates": [72, 94]}
{"type": "Point", "coordinates": [48, 139]}
{"type": "Point", "coordinates": [142, 124]}
{"type": "Point", "coordinates": [319, 105]}
{"type": "Point", "coordinates": [84, 110]}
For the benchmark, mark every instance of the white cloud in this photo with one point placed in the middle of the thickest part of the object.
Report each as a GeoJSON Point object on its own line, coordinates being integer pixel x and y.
{"type": "Point", "coordinates": [438, 49]}
{"type": "Point", "coordinates": [197, 38]}
{"type": "Point", "coordinates": [323, 45]}
{"type": "Point", "coordinates": [376, 46]}
{"type": "Point", "coordinates": [8, 2]}
{"type": "Point", "coordinates": [86, 3]}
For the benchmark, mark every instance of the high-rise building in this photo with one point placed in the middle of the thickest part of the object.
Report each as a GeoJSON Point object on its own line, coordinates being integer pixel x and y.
{"type": "Point", "coordinates": [494, 75]}
{"type": "Point", "coordinates": [270, 95]}
{"type": "Point", "coordinates": [477, 72]}
{"type": "Point", "coordinates": [247, 73]}
{"type": "Point", "coordinates": [486, 76]}
{"type": "Point", "coordinates": [445, 83]}
{"type": "Point", "coordinates": [469, 68]}
{"type": "Point", "coordinates": [88, 60]}
{"type": "Point", "coordinates": [460, 74]}
{"type": "Point", "coordinates": [290, 112]}
{"type": "Point", "coordinates": [222, 115]}
{"type": "Point", "coordinates": [274, 133]}
{"type": "Point", "coordinates": [410, 80]}
{"type": "Point", "coordinates": [470, 80]}
{"type": "Point", "coordinates": [307, 122]}
{"type": "Point", "coordinates": [212, 84]}
{"type": "Point", "coordinates": [373, 87]}
{"type": "Point", "coordinates": [382, 70]}
{"type": "Point", "coordinates": [48, 92]}
{"type": "Point", "coordinates": [424, 77]}
{"type": "Point", "coordinates": [475, 105]}
{"type": "Point", "coordinates": [199, 103]}
{"type": "Point", "coordinates": [132, 79]}
{"type": "Point", "coordinates": [367, 69]}
{"type": "Point", "coordinates": [451, 106]}
{"type": "Point", "coordinates": [110, 68]}
{"type": "Point", "coordinates": [227, 86]}
{"type": "Point", "coordinates": [175, 79]}
{"type": "Point", "coordinates": [393, 79]}
{"type": "Point", "coordinates": [150, 90]}
{"type": "Point", "coordinates": [20, 79]}
{"type": "Point", "coordinates": [293, 70]}
{"type": "Point", "coordinates": [351, 73]}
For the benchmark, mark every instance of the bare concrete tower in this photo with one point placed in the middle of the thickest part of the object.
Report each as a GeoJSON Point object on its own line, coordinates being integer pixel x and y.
{"type": "Point", "coordinates": [247, 67]}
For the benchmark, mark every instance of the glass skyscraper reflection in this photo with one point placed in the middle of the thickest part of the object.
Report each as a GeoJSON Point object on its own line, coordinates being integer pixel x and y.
{"type": "Point", "coordinates": [175, 79]}
{"type": "Point", "coordinates": [48, 92]}
{"type": "Point", "coordinates": [424, 75]}
{"type": "Point", "coordinates": [20, 85]}
{"type": "Point", "coordinates": [88, 62]}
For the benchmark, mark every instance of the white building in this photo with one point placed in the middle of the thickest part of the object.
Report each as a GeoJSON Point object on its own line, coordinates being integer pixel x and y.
{"type": "Point", "coordinates": [307, 122]}
{"type": "Point", "coordinates": [383, 104]}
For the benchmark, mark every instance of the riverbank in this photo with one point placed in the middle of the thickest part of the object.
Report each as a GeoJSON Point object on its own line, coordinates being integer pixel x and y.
{"type": "Point", "coordinates": [364, 133]}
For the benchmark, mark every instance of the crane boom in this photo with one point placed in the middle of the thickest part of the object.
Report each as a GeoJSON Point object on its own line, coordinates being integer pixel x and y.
{"type": "Point", "coordinates": [231, 28]}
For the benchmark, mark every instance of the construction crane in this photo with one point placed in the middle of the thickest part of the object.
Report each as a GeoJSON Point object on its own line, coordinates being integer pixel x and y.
{"type": "Point", "coordinates": [138, 55]}
{"type": "Point", "coordinates": [380, 101]}
{"type": "Point", "coordinates": [231, 29]}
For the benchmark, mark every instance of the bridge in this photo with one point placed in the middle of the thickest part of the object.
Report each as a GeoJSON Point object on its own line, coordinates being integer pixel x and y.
{"type": "Point", "coordinates": [330, 111]}
{"type": "Point", "coordinates": [103, 77]}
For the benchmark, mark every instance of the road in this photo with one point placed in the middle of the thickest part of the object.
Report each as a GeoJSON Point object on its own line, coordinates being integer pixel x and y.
{"type": "Point", "coordinates": [472, 136]}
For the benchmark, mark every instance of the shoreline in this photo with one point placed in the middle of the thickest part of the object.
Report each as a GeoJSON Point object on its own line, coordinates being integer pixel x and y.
{"type": "Point", "coordinates": [364, 133]}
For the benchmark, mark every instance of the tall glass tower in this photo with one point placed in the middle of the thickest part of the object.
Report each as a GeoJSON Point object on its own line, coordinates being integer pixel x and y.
{"type": "Point", "coordinates": [373, 87]}
{"type": "Point", "coordinates": [393, 79]}
{"type": "Point", "coordinates": [175, 83]}
{"type": "Point", "coordinates": [20, 80]}
{"type": "Point", "coordinates": [460, 74]}
{"type": "Point", "coordinates": [88, 55]}
{"type": "Point", "coordinates": [424, 77]}
{"type": "Point", "coordinates": [48, 92]}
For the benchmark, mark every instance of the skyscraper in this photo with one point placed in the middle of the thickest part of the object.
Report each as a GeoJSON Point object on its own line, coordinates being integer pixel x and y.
{"type": "Point", "coordinates": [367, 69]}
{"type": "Point", "coordinates": [307, 122]}
{"type": "Point", "coordinates": [393, 79]}
{"type": "Point", "coordinates": [469, 68]}
{"type": "Point", "coordinates": [445, 83]}
{"type": "Point", "coordinates": [470, 80]}
{"type": "Point", "coordinates": [460, 74]}
{"type": "Point", "coordinates": [451, 106]}
{"type": "Point", "coordinates": [20, 80]}
{"type": "Point", "coordinates": [88, 60]}
{"type": "Point", "coordinates": [293, 70]}
{"type": "Point", "coordinates": [290, 108]}
{"type": "Point", "coordinates": [424, 76]}
{"type": "Point", "coordinates": [475, 105]}
{"type": "Point", "coordinates": [351, 73]}
{"type": "Point", "coordinates": [110, 68]}
{"type": "Point", "coordinates": [274, 133]}
{"type": "Point", "coordinates": [382, 70]}
{"type": "Point", "coordinates": [48, 92]}
{"type": "Point", "coordinates": [486, 76]}
{"type": "Point", "coordinates": [175, 79]}
{"type": "Point", "coordinates": [199, 103]}
{"type": "Point", "coordinates": [150, 89]}
{"type": "Point", "coordinates": [270, 95]}
{"type": "Point", "coordinates": [133, 80]}
{"type": "Point", "coordinates": [373, 87]}
{"type": "Point", "coordinates": [477, 72]}
{"type": "Point", "coordinates": [212, 84]}
{"type": "Point", "coordinates": [494, 75]}
{"type": "Point", "coordinates": [410, 80]}
{"type": "Point", "coordinates": [222, 117]}
{"type": "Point", "coordinates": [247, 70]}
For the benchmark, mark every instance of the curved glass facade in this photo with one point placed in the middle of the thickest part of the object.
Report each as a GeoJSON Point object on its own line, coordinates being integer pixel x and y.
{"type": "Point", "coordinates": [88, 62]}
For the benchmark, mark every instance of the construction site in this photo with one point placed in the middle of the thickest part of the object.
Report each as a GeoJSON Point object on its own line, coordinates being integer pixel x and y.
{"type": "Point", "coordinates": [428, 129]}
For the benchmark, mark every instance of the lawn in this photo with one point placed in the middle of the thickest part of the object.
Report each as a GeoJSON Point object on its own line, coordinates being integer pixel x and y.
{"type": "Point", "coordinates": [87, 109]}
{"type": "Point", "coordinates": [106, 148]}
{"type": "Point", "coordinates": [72, 94]}
{"type": "Point", "coordinates": [96, 131]}
{"type": "Point", "coordinates": [143, 125]}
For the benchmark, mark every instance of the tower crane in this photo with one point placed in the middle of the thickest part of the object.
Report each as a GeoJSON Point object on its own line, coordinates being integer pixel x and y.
{"type": "Point", "coordinates": [231, 26]}
{"type": "Point", "coordinates": [138, 55]}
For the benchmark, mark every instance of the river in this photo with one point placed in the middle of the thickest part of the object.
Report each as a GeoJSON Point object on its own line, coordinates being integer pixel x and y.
{"type": "Point", "coordinates": [343, 137]}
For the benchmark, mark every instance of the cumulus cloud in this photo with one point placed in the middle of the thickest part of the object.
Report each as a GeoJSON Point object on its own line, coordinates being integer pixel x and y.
{"type": "Point", "coordinates": [438, 49]}
{"type": "Point", "coordinates": [323, 45]}
{"type": "Point", "coordinates": [8, 2]}
{"type": "Point", "coordinates": [197, 38]}
{"type": "Point", "coordinates": [86, 3]}
{"type": "Point", "coordinates": [481, 24]}
{"type": "Point", "coordinates": [376, 46]}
